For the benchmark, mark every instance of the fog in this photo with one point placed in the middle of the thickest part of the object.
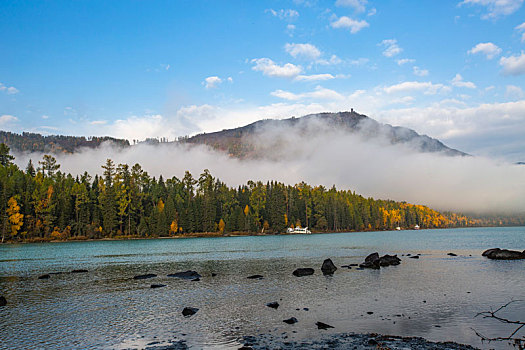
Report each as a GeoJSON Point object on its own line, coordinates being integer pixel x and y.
{"type": "Point", "coordinates": [319, 155]}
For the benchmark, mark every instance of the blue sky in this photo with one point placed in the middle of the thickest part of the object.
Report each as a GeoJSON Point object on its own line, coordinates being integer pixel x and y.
{"type": "Point", "coordinates": [134, 69]}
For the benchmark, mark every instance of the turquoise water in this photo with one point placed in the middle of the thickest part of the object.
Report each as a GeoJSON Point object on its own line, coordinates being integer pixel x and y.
{"type": "Point", "coordinates": [436, 296]}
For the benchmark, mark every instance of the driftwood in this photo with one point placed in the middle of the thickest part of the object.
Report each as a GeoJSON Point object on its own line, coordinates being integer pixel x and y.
{"type": "Point", "coordinates": [514, 338]}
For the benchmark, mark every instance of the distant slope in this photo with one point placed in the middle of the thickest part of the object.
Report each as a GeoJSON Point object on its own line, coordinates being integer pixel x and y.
{"type": "Point", "coordinates": [238, 142]}
{"type": "Point", "coordinates": [29, 142]}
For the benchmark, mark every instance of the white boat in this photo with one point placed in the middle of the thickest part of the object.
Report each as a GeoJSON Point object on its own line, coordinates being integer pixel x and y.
{"type": "Point", "coordinates": [416, 227]}
{"type": "Point", "coordinates": [398, 228]}
{"type": "Point", "coordinates": [299, 230]}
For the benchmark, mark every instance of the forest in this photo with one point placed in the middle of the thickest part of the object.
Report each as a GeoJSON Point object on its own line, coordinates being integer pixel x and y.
{"type": "Point", "coordinates": [41, 203]}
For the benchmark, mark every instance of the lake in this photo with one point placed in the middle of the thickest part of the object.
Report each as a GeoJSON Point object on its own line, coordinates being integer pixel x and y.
{"type": "Point", "coordinates": [436, 296]}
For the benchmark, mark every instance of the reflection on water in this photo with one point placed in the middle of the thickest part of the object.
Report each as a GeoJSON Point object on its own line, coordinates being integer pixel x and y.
{"type": "Point", "coordinates": [436, 296]}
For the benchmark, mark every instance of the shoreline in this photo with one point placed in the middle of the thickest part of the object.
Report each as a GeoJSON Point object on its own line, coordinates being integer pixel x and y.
{"type": "Point", "coordinates": [212, 235]}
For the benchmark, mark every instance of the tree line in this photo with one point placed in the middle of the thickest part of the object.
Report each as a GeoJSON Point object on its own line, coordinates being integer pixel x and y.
{"type": "Point", "coordinates": [42, 203]}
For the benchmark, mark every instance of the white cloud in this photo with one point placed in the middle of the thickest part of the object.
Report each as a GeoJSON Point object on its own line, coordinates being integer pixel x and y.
{"type": "Point", "coordinates": [405, 60]}
{"type": "Point", "coordinates": [212, 82]}
{"type": "Point", "coordinates": [372, 12]}
{"type": "Point", "coordinates": [521, 28]}
{"type": "Point", "coordinates": [307, 51]}
{"type": "Point", "coordinates": [349, 23]}
{"type": "Point", "coordinates": [391, 47]}
{"type": "Point", "coordinates": [7, 119]}
{"type": "Point", "coordinates": [513, 91]}
{"type": "Point", "coordinates": [230, 80]}
{"type": "Point", "coordinates": [99, 122]}
{"type": "Point", "coordinates": [459, 82]}
{"type": "Point", "coordinates": [495, 8]}
{"type": "Point", "coordinates": [513, 65]}
{"type": "Point", "coordinates": [490, 50]}
{"type": "Point", "coordinates": [319, 93]}
{"type": "Point", "coordinates": [357, 5]}
{"type": "Point", "coordinates": [314, 77]}
{"type": "Point", "coordinates": [359, 62]}
{"type": "Point", "coordinates": [10, 90]}
{"type": "Point", "coordinates": [420, 72]}
{"type": "Point", "coordinates": [45, 117]}
{"type": "Point", "coordinates": [427, 88]}
{"type": "Point", "coordinates": [271, 69]}
{"type": "Point", "coordinates": [334, 60]}
{"type": "Point", "coordinates": [284, 14]}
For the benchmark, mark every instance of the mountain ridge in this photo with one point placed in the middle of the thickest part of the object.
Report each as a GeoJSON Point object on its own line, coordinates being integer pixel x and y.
{"type": "Point", "coordinates": [240, 142]}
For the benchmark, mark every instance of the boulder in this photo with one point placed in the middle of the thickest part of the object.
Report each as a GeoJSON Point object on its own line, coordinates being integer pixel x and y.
{"type": "Point", "coordinates": [321, 325]}
{"type": "Point", "coordinates": [328, 267]}
{"type": "Point", "coordinates": [371, 262]}
{"type": "Point", "coordinates": [303, 271]}
{"type": "Point", "coordinates": [186, 275]}
{"type": "Point", "coordinates": [157, 285]}
{"type": "Point", "coordinates": [3, 301]}
{"type": "Point", "coordinates": [503, 254]}
{"type": "Point", "coordinates": [255, 277]}
{"type": "Point", "coordinates": [273, 305]}
{"type": "Point", "coordinates": [189, 311]}
{"type": "Point", "coordinates": [389, 260]}
{"type": "Point", "coordinates": [44, 277]}
{"type": "Point", "coordinates": [291, 320]}
{"type": "Point", "coordinates": [143, 277]}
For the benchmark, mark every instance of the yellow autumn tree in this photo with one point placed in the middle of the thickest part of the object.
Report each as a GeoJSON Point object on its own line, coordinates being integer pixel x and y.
{"type": "Point", "coordinates": [174, 227]}
{"type": "Point", "coordinates": [222, 225]}
{"type": "Point", "coordinates": [16, 220]}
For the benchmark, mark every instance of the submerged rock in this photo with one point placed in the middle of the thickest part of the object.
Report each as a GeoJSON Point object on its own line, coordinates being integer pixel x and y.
{"type": "Point", "coordinates": [328, 267]}
{"type": "Point", "coordinates": [3, 301]}
{"type": "Point", "coordinates": [255, 277]}
{"type": "Point", "coordinates": [303, 271]}
{"type": "Point", "coordinates": [321, 325]}
{"type": "Point", "coordinates": [273, 305]}
{"type": "Point", "coordinates": [503, 254]}
{"type": "Point", "coordinates": [189, 311]}
{"type": "Point", "coordinates": [290, 320]}
{"type": "Point", "coordinates": [186, 275]}
{"type": "Point", "coordinates": [79, 271]}
{"type": "Point", "coordinates": [44, 277]}
{"type": "Point", "coordinates": [157, 285]}
{"type": "Point", "coordinates": [143, 277]}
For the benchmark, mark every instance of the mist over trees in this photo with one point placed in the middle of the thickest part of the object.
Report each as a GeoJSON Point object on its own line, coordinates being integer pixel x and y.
{"type": "Point", "coordinates": [44, 203]}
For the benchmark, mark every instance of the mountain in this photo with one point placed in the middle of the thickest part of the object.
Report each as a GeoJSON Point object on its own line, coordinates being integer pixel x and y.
{"type": "Point", "coordinates": [244, 142]}
{"type": "Point", "coordinates": [30, 142]}
{"type": "Point", "coordinates": [261, 139]}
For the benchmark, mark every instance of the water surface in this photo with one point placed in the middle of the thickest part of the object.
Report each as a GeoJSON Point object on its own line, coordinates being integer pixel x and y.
{"type": "Point", "coordinates": [436, 296]}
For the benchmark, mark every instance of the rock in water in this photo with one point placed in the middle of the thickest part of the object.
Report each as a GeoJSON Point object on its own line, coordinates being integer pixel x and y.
{"type": "Point", "coordinates": [273, 305]}
{"type": "Point", "coordinates": [143, 277]}
{"type": "Point", "coordinates": [79, 271]}
{"type": "Point", "coordinates": [389, 260]}
{"type": "Point", "coordinates": [44, 277]}
{"type": "Point", "coordinates": [186, 275]}
{"type": "Point", "coordinates": [414, 257]}
{"type": "Point", "coordinates": [189, 311]}
{"type": "Point", "coordinates": [452, 254]}
{"type": "Point", "coordinates": [3, 301]}
{"type": "Point", "coordinates": [303, 271]}
{"type": "Point", "coordinates": [291, 320]}
{"type": "Point", "coordinates": [157, 285]}
{"type": "Point", "coordinates": [371, 261]}
{"type": "Point", "coordinates": [255, 277]}
{"type": "Point", "coordinates": [328, 267]}
{"type": "Point", "coordinates": [503, 254]}
{"type": "Point", "coordinates": [321, 325]}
